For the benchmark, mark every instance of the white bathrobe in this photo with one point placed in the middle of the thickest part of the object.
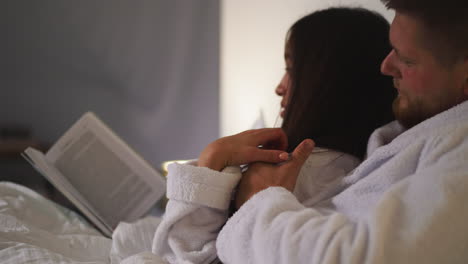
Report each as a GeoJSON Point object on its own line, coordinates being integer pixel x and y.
{"type": "Point", "coordinates": [404, 204]}
{"type": "Point", "coordinates": [198, 208]}
{"type": "Point", "coordinates": [199, 199]}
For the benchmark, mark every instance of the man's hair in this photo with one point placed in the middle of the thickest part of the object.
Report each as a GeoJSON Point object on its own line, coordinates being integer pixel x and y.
{"type": "Point", "coordinates": [445, 25]}
{"type": "Point", "coordinates": [338, 95]}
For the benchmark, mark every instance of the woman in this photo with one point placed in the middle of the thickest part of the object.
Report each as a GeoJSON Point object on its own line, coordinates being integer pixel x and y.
{"type": "Point", "coordinates": [339, 95]}
{"type": "Point", "coordinates": [332, 92]}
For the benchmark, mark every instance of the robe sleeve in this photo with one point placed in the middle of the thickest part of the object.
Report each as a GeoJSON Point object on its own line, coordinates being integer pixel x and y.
{"type": "Point", "coordinates": [197, 209]}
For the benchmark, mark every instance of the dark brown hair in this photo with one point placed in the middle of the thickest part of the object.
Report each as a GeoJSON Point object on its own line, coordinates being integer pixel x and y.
{"type": "Point", "coordinates": [445, 25]}
{"type": "Point", "coordinates": [338, 95]}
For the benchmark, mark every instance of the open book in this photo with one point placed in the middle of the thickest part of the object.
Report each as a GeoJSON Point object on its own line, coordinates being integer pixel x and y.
{"type": "Point", "coordinates": [100, 174]}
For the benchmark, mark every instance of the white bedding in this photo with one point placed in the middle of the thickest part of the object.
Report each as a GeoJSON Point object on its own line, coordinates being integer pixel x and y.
{"type": "Point", "coordinates": [36, 230]}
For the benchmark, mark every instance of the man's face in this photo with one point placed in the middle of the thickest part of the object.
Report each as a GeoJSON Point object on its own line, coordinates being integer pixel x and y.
{"type": "Point", "coordinates": [425, 86]}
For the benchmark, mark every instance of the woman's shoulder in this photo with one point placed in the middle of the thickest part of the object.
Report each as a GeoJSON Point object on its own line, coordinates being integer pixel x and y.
{"type": "Point", "coordinates": [323, 157]}
{"type": "Point", "coordinates": [322, 173]}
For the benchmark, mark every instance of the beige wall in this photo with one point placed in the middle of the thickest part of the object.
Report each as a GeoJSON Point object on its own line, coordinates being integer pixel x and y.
{"type": "Point", "coordinates": [252, 39]}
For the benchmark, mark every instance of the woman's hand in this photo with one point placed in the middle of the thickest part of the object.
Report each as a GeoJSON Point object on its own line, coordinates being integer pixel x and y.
{"type": "Point", "coordinates": [266, 144]}
{"type": "Point", "coordinates": [260, 175]}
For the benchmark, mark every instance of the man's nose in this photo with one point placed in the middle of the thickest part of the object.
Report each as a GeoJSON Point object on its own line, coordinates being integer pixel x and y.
{"type": "Point", "coordinates": [388, 66]}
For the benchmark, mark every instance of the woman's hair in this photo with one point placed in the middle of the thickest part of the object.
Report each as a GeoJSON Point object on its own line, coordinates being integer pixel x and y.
{"type": "Point", "coordinates": [338, 95]}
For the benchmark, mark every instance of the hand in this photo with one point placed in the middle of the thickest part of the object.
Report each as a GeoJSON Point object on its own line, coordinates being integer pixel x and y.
{"type": "Point", "coordinates": [260, 176]}
{"type": "Point", "coordinates": [243, 148]}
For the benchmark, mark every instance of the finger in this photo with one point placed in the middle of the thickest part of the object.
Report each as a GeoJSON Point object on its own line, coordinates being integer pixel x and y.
{"type": "Point", "coordinates": [272, 138]}
{"type": "Point", "coordinates": [279, 145]}
{"type": "Point", "coordinates": [301, 153]}
{"type": "Point", "coordinates": [266, 155]}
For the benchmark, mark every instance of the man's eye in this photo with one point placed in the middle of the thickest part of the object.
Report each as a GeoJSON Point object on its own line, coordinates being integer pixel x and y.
{"type": "Point", "coordinates": [407, 62]}
{"type": "Point", "coordinates": [288, 69]}
{"type": "Point", "coordinates": [404, 60]}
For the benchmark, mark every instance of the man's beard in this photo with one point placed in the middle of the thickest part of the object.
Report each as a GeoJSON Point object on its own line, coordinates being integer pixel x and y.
{"type": "Point", "coordinates": [409, 115]}
{"type": "Point", "coordinates": [412, 112]}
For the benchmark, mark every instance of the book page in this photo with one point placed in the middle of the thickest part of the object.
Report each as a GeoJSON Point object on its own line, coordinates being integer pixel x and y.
{"type": "Point", "coordinates": [39, 162]}
{"type": "Point", "coordinates": [114, 180]}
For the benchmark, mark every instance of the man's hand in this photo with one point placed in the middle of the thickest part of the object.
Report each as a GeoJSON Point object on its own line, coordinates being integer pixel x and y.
{"type": "Point", "coordinates": [260, 176]}
{"type": "Point", "coordinates": [244, 148]}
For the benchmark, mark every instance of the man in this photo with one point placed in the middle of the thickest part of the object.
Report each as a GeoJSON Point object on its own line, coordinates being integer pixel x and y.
{"type": "Point", "coordinates": [406, 203]}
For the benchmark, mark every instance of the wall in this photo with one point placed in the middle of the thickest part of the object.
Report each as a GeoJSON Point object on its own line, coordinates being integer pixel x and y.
{"type": "Point", "coordinates": [148, 68]}
{"type": "Point", "coordinates": [252, 42]}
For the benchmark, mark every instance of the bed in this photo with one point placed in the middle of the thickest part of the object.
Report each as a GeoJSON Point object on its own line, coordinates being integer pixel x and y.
{"type": "Point", "coordinates": [35, 230]}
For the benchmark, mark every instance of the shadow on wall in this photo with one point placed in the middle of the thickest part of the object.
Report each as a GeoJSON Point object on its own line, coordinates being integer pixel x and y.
{"type": "Point", "coordinates": [149, 69]}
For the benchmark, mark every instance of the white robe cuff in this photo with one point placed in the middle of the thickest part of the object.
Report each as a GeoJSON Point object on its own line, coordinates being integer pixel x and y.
{"type": "Point", "coordinates": [202, 185]}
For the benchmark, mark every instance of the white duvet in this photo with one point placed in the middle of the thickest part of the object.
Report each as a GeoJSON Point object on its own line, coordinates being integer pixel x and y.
{"type": "Point", "coordinates": [35, 230]}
